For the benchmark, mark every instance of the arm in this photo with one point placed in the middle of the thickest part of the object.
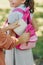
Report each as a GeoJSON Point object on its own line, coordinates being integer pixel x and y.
{"type": "Point", "coordinates": [34, 23]}
{"type": "Point", "coordinates": [8, 42]}
{"type": "Point", "coordinates": [13, 21]}
{"type": "Point", "coordinates": [11, 26]}
{"type": "Point", "coordinates": [22, 39]}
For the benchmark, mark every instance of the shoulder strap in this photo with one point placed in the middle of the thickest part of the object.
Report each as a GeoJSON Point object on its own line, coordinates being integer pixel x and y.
{"type": "Point", "coordinates": [25, 12]}
{"type": "Point", "coordinates": [19, 10]}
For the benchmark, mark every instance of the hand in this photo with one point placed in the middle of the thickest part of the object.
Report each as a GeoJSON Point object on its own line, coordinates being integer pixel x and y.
{"type": "Point", "coordinates": [11, 26]}
{"type": "Point", "coordinates": [24, 38]}
{"type": "Point", "coordinates": [15, 42]}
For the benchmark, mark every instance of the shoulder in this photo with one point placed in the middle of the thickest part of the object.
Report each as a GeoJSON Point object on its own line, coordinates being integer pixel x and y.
{"type": "Point", "coordinates": [14, 13]}
{"type": "Point", "coordinates": [13, 16]}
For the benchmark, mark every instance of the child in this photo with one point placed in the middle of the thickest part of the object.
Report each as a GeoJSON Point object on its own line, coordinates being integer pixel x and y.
{"type": "Point", "coordinates": [13, 16]}
{"type": "Point", "coordinates": [8, 42]}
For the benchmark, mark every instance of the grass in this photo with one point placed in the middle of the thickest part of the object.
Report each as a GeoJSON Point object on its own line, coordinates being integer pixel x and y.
{"type": "Point", "coordinates": [38, 15]}
{"type": "Point", "coordinates": [3, 15]}
{"type": "Point", "coordinates": [38, 50]}
{"type": "Point", "coordinates": [39, 5]}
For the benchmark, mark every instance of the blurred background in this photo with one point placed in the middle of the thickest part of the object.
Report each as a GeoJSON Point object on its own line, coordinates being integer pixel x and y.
{"type": "Point", "coordinates": [38, 14]}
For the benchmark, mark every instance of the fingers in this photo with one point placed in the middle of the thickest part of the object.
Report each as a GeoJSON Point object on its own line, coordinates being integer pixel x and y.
{"type": "Point", "coordinates": [14, 25]}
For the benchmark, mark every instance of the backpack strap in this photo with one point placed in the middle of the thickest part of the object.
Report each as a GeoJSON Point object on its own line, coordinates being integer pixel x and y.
{"type": "Point", "coordinates": [19, 10]}
{"type": "Point", "coordinates": [26, 17]}
{"type": "Point", "coordinates": [26, 12]}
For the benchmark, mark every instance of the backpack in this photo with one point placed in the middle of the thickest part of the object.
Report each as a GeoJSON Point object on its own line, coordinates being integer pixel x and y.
{"type": "Point", "coordinates": [28, 28]}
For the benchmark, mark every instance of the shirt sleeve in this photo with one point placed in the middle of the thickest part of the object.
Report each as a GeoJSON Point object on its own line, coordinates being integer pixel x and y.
{"type": "Point", "coordinates": [13, 17]}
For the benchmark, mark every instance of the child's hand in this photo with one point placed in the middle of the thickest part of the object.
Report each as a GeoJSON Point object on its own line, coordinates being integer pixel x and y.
{"type": "Point", "coordinates": [15, 42]}
{"type": "Point", "coordinates": [11, 26]}
{"type": "Point", "coordinates": [24, 38]}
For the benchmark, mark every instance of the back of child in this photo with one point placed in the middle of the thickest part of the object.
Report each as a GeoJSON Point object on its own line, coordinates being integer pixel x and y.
{"type": "Point", "coordinates": [25, 56]}
{"type": "Point", "coordinates": [27, 27]}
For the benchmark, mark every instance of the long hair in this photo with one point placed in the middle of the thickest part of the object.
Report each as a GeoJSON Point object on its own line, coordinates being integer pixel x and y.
{"type": "Point", "coordinates": [30, 3]}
